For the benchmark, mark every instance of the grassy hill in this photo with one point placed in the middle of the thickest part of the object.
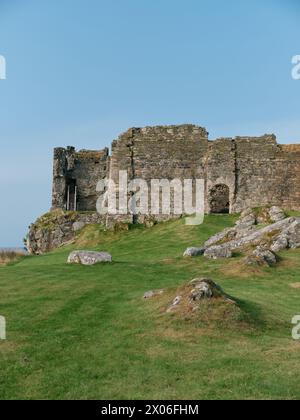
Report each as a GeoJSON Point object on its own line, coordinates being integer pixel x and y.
{"type": "Point", "coordinates": [86, 333]}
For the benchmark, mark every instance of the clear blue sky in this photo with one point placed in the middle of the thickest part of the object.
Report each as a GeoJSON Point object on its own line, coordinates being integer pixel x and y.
{"type": "Point", "coordinates": [79, 72]}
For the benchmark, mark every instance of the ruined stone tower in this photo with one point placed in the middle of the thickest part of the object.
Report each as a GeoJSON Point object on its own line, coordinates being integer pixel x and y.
{"type": "Point", "coordinates": [238, 172]}
{"type": "Point", "coordinates": [75, 176]}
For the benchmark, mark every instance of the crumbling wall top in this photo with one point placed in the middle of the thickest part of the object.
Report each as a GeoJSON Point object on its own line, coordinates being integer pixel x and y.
{"type": "Point", "coordinates": [169, 129]}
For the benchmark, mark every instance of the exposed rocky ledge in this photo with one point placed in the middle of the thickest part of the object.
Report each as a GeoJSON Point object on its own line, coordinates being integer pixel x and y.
{"type": "Point", "coordinates": [58, 228]}
{"type": "Point", "coordinates": [251, 235]}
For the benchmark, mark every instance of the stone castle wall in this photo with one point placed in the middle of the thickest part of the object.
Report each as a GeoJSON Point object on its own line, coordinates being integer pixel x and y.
{"type": "Point", "coordinates": [174, 152]}
{"type": "Point", "coordinates": [267, 174]}
{"type": "Point", "coordinates": [82, 170]}
{"type": "Point", "coordinates": [254, 171]}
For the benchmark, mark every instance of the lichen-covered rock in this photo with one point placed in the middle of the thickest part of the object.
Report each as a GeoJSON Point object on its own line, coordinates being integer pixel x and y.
{"type": "Point", "coordinates": [275, 237]}
{"type": "Point", "coordinates": [89, 257]}
{"type": "Point", "coordinates": [243, 231]}
{"type": "Point", "coordinates": [265, 255]}
{"type": "Point", "coordinates": [228, 235]}
{"type": "Point", "coordinates": [248, 211]}
{"type": "Point", "coordinates": [218, 252]}
{"type": "Point", "coordinates": [58, 228]}
{"type": "Point", "coordinates": [293, 234]}
{"type": "Point", "coordinates": [251, 260]}
{"type": "Point", "coordinates": [77, 226]}
{"type": "Point", "coordinates": [280, 243]}
{"type": "Point", "coordinates": [248, 218]}
{"type": "Point", "coordinates": [221, 237]}
{"type": "Point", "coordinates": [276, 214]}
{"type": "Point", "coordinates": [205, 289]}
{"type": "Point", "coordinates": [267, 236]}
{"type": "Point", "coordinates": [194, 252]}
{"type": "Point", "coordinates": [263, 215]}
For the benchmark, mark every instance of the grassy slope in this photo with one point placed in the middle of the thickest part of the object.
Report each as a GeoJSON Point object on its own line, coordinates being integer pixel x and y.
{"type": "Point", "coordinates": [85, 332]}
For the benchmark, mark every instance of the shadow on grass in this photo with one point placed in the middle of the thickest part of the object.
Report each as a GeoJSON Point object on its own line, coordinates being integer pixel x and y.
{"type": "Point", "coordinates": [253, 314]}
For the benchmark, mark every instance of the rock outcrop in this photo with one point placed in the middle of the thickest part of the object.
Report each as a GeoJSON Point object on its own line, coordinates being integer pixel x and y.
{"type": "Point", "coordinates": [263, 242]}
{"type": "Point", "coordinates": [261, 257]}
{"type": "Point", "coordinates": [286, 231]}
{"type": "Point", "coordinates": [58, 228]}
{"type": "Point", "coordinates": [276, 214]}
{"type": "Point", "coordinates": [217, 252]}
{"type": "Point", "coordinates": [194, 252]}
{"type": "Point", "coordinates": [265, 215]}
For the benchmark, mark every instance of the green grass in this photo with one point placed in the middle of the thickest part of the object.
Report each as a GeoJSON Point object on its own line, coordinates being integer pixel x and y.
{"type": "Point", "coordinates": [85, 332]}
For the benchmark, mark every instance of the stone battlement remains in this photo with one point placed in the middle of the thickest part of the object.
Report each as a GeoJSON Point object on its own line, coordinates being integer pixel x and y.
{"type": "Point", "coordinates": [238, 172]}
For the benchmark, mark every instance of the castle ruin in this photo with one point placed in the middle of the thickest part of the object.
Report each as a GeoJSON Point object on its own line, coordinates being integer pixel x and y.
{"type": "Point", "coordinates": [238, 172]}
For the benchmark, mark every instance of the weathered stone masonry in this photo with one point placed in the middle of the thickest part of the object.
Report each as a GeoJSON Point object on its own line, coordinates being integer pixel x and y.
{"type": "Point", "coordinates": [77, 173]}
{"type": "Point", "coordinates": [239, 172]}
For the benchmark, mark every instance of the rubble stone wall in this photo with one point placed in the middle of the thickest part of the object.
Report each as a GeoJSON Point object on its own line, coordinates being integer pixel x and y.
{"type": "Point", "coordinates": [86, 168]}
{"type": "Point", "coordinates": [257, 170]}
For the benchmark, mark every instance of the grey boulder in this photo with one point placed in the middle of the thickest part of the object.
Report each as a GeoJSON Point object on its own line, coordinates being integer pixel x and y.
{"type": "Point", "coordinates": [265, 254]}
{"type": "Point", "coordinates": [218, 252]}
{"type": "Point", "coordinates": [276, 214]}
{"type": "Point", "coordinates": [194, 252]}
{"type": "Point", "coordinates": [293, 233]}
{"type": "Point", "coordinates": [89, 257]}
{"type": "Point", "coordinates": [226, 235]}
{"type": "Point", "coordinates": [246, 220]}
{"type": "Point", "coordinates": [204, 289]}
{"type": "Point", "coordinates": [78, 226]}
{"type": "Point", "coordinates": [281, 243]}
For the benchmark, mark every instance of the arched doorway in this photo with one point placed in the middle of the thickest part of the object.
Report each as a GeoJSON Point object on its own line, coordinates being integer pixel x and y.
{"type": "Point", "coordinates": [219, 201]}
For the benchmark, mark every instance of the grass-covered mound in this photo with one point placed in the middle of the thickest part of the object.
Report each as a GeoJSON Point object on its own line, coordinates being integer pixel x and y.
{"type": "Point", "coordinates": [86, 332]}
{"type": "Point", "coordinates": [214, 315]}
{"type": "Point", "coordinates": [201, 303]}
